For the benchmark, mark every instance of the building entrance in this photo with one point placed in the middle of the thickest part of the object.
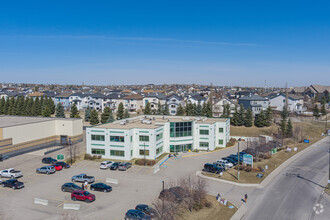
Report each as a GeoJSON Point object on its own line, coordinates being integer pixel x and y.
{"type": "Point", "coordinates": [180, 148]}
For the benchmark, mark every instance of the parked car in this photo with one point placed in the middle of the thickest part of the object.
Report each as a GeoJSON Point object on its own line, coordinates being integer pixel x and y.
{"type": "Point", "coordinates": [225, 163]}
{"type": "Point", "coordinates": [47, 170]}
{"type": "Point", "coordinates": [4, 157]}
{"type": "Point", "coordinates": [114, 166]}
{"type": "Point", "coordinates": [63, 164]}
{"type": "Point", "coordinates": [10, 173]}
{"type": "Point", "coordinates": [82, 195]}
{"type": "Point", "coordinates": [212, 168]}
{"type": "Point", "coordinates": [57, 167]}
{"type": "Point", "coordinates": [106, 164]}
{"type": "Point", "coordinates": [13, 183]}
{"type": "Point", "coordinates": [48, 160]}
{"type": "Point", "coordinates": [136, 214]}
{"type": "Point", "coordinates": [83, 178]}
{"type": "Point", "coordinates": [173, 194]}
{"type": "Point", "coordinates": [101, 187]}
{"type": "Point", "coordinates": [147, 210]}
{"type": "Point", "coordinates": [70, 187]}
{"type": "Point", "coordinates": [124, 166]}
{"type": "Point", "coordinates": [231, 160]}
{"type": "Point", "coordinates": [222, 165]}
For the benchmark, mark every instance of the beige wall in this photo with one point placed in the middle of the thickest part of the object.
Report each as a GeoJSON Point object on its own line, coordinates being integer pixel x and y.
{"type": "Point", "coordinates": [1, 136]}
{"type": "Point", "coordinates": [69, 127]}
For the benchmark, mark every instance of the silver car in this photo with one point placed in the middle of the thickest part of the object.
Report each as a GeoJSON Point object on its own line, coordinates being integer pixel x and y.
{"type": "Point", "coordinates": [47, 170]}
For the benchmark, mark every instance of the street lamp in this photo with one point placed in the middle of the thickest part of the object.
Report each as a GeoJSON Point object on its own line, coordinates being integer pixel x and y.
{"type": "Point", "coordinates": [163, 196]}
{"type": "Point", "coordinates": [70, 144]}
{"type": "Point", "coordinates": [239, 139]}
{"type": "Point", "coordinates": [144, 152]}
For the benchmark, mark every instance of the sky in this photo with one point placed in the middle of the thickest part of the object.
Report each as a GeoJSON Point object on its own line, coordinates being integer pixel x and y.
{"type": "Point", "coordinates": [233, 43]}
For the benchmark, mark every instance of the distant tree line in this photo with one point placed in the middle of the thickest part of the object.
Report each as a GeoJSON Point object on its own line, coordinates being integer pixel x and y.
{"type": "Point", "coordinates": [195, 109]}
{"type": "Point", "coordinates": [27, 106]}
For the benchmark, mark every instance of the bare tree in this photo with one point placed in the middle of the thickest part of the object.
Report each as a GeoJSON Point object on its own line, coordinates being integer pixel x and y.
{"type": "Point", "coordinates": [72, 150]}
{"type": "Point", "coordinates": [299, 133]}
{"type": "Point", "coordinates": [166, 210]}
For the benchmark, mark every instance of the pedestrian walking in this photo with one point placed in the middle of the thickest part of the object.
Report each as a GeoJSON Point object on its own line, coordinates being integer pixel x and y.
{"type": "Point", "coordinates": [86, 185]}
{"type": "Point", "coordinates": [82, 186]}
{"type": "Point", "coordinates": [245, 197]}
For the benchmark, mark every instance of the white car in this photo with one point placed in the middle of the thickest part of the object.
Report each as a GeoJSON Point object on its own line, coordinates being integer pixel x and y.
{"type": "Point", "coordinates": [225, 163]}
{"type": "Point", "coordinates": [106, 164]}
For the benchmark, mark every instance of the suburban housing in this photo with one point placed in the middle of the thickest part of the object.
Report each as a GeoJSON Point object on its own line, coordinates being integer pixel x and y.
{"type": "Point", "coordinates": [150, 136]}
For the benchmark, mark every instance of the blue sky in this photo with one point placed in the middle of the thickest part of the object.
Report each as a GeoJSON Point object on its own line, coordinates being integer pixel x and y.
{"type": "Point", "coordinates": [139, 42]}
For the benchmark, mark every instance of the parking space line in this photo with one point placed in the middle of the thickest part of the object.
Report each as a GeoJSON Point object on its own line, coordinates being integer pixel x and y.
{"type": "Point", "coordinates": [60, 204]}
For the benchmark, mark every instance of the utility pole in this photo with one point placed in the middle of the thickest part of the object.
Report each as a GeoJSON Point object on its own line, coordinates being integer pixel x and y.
{"type": "Point", "coordinates": [70, 144]}
{"type": "Point", "coordinates": [163, 196]}
{"type": "Point", "coordinates": [144, 152]}
{"type": "Point", "coordinates": [238, 159]}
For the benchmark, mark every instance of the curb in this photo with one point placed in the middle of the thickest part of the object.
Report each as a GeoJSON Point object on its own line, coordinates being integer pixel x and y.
{"type": "Point", "coordinates": [199, 173]}
{"type": "Point", "coordinates": [194, 155]}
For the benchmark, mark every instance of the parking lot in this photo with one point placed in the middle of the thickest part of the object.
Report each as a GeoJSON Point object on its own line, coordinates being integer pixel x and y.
{"type": "Point", "coordinates": [136, 185]}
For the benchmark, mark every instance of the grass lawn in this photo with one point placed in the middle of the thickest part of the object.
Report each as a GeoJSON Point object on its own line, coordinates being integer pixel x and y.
{"type": "Point", "coordinates": [313, 132]}
{"type": "Point", "coordinates": [250, 131]}
{"type": "Point", "coordinates": [216, 211]}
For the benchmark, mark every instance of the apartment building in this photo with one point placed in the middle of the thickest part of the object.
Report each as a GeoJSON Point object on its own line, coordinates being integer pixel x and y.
{"type": "Point", "coordinates": [149, 137]}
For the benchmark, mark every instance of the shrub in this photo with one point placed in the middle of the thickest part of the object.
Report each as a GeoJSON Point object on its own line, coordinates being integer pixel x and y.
{"type": "Point", "coordinates": [94, 157]}
{"type": "Point", "coordinates": [99, 157]}
{"type": "Point", "coordinates": [197, 206]}
{"type": "Point", "coordinates": [260, 168]}
{"type": "Point", "coordinates": [248, 169]}
{"type": "Point", "coordinates": [255, 169]}
{"type": "Point", "coordinates": [195, 150]}
{"type": "Point", "coordinates": [87, 157]}
{"type": "Point", "coordinates": [231, 142]}
{"type": "Point", "coordinates": [147, 162]}
{"type": "Point", "coordinates": [267, 156]}
{"type": "Point", "coordinates": [208, 204]}
{"type": "Point", "coordinates": [68, 161]}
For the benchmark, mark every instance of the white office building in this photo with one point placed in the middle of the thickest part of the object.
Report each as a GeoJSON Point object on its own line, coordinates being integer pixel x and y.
{"type": "Point", "coordinates": [150, 136]}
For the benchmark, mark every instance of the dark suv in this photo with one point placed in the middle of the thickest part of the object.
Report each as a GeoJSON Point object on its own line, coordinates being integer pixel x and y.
{"type": "Point", "coordinates": [48, 160]}
{"type": "Point", "coordinates": [212, 168]}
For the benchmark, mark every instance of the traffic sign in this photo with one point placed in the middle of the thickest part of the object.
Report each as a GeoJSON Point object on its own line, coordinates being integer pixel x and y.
{"type": "Point", "coordinates": [60, 156]}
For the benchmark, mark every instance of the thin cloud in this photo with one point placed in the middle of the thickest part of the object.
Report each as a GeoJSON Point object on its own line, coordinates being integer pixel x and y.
{"type": "Point", "coordinates": [103, 37]}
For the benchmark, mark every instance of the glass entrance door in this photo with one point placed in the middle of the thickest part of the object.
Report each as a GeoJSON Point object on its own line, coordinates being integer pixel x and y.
{"type": "Point", "coordinates": [180, 148]}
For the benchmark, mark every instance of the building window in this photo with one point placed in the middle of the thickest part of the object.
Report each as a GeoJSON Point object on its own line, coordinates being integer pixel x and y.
{"type": "Point", "coordinates": [131, 153]}
{"type": "Point", "coordinates": [131, 138]}
{"type": "Point", "coordinates": [144, 151]}
{"type": "Point", "coordinates": [180, 129]}
{"type": "Point", "coordinates": [117, 138]}
{"type": "Point", "coordinates": [220, 141]}
{"type": "Point", "coordinates": [98, 151]}
{"type": "Point", "coordinates": [204, 144]}
{"type": "Point", "coordinates": [159, 136]}
{"type": "Point", "coordinates": [97, 137]}
{"type": "Point", "coordinates": [159, 150]}
{"type": "Point", "coordinates": [204, 132]}
{"type": "Point", "coordinates": [220, 130]}
{"type": "Point", "coordinates": [144, 138]}
{"type": "Point", "coordinates": [117, 153]}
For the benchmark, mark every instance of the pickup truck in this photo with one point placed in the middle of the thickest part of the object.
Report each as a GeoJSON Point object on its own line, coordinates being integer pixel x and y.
{"type": "Point", "coordinates": [10, 173]}
{"type": "Point", "coordinates": [83, 178]}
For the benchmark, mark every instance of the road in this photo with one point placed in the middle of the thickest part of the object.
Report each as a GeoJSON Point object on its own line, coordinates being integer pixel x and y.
{"type": "Point", "coordinates": [293, 196]}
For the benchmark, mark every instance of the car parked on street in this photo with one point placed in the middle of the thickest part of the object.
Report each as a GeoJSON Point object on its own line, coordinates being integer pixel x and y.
{"type": "Point", "coordinates": [70, 187]}
{"type": "Point", "coordinates": [4, 157]}
{"type": "Point", "coordinates": [48, 160]}
{"type": "Point", "coordinates": [82, 195]}
{"type": "Point", "coordinates": [147, 210]}
{"type": "Point", "coordinates": [10, 173]}
{"type": "Point", "coordinates": [63, 164]}
{"type": "Point", "coordinates": [13, 183]}
{"type": "Point", "coordinates": [124, 166]}
{"type": "Point", "coordinates": [212, 168]}
{"type": "Point", "coordinates": [57, 167]}
{"type": "Point", "coordinates": [47, 170]}
{"type": "Point", "coordinates": [83, 178]}
{"type": "Point", "coordinates": [106, 164]}
{"type": "Point", "coordinates": [101, 187]}
{"type": "Point", "coordinates": [114, 166]}
{"type": "Point", "coordinates": [136, 214]}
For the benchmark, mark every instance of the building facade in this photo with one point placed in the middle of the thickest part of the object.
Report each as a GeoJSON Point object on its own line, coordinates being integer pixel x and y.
{"type": "Point", "coordinates": [149, 137]}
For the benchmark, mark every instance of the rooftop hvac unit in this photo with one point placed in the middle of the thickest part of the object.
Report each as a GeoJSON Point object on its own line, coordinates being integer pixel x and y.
{"type": "Point", "coordinates": [123, 123]}
{"type": "Point", "coordinates": [148, 122]}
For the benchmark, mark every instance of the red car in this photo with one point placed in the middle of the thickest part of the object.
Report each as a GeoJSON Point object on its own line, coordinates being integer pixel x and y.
{"type": "Point", "coordinates": [57, 167]}
{"type": "Point", "coordinates": [82, 195]}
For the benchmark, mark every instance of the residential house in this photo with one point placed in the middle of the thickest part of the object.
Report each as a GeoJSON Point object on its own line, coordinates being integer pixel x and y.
{"type": "Point", "coordinates": [134, 103]}
{"type": "Point", "coordinates": [318, 91]}
{"type": "Point", "coordinates": [295, 102]}
{"type": "Point", "coordinates": [173, 102]}
{"type": "Point", "coordinates": [64, 99]}
{"type": "Point", "coordinates": [219, 105]}
{"type": "Point", "coordinates": [195, 99]}
{"type": "Point", "coordinates": [153, 99]}
{"type": "Point", "coordinates": [255, 102]}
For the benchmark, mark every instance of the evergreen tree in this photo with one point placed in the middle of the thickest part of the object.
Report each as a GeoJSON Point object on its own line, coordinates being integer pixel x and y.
{"type": "Point", "coordinates": [6, 108]}
{"type": "Point", "coordinates": [323, 110]}
{"type": "Point", "coordinates": [94, 117]}
{"type": "Point", "coordinates": [2, 105]}
{"type": "Point", "coordinates": [20, 106]}
{"type": "Point", "coordinates": [241, 114]}
{"type": "Point", "coordinates": [235, 118]}
{"type": "Point", "coordinates": [260, 119]}
{"type": "Point", "coordinates": [204, 109]}
{"type": "Point", "coordinates": [166, 110]}
{"type": "Point", "coordinates": [147, 110]}
{"type": "Point", "coordinates": [59, 113]}
{"type": "Point", "coordinates": [190, 111]}
{"type": "Point", "coordinates": [289, 129]}
{"type": "Point", "coordinates": [87, 113]}
{"type": "Point", "coordinates": [11, 106]}
{"type": "Point", "coordinates": [36, 108]}
{"type": "Point", "coordinates": [283, 128]}
{"type": "Point", "coordinates": [51, 105]}
{"type": "Point", "coordinates": [42, 104]}
{"type": "Point", "coordinates": [74, 113]}
{"type": "Point", "coordinates": [269, 116]}
{"type": "Point", "coordinates": [284, 113]}
{"type": "Point", "coordinates": [120, 113]}
{"type": "Point", "coordinates": [126, 113]}
{"type": "Point", "coordinates": [159, 109]}
{"type": "Point", "coordinates": [180, 110]}
{"type": "Point", "coordinates": [111, 118]}
{"type": "Point", "coordinates": [105, 114]}
{"type": "Point", "coordinates": [248, 119]}
{"type": "Point", "coordinates": [46, 112]}
{"type": "Point", "coordinates": [198, 109]}
{"type": "Point", "coordinates": [316, 111]}
{"type": "Point", "coordinates": [209, 111]}
{"type": "Point", "coordinates": [28, 109]}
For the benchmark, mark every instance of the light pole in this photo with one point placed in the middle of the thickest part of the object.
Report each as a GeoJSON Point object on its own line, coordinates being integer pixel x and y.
{"type": "Point", "coordinates": [144, 152]}
{"type": "Point", "coordinates": [163, 196]}
{"type": "Point", "coordinates": [239, 139]}
{"type": "Point", "coordinates": [70, 144]}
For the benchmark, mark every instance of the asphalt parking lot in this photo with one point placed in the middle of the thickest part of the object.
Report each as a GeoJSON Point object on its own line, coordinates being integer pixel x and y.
{"type": "Point", "coordinates": [136, 185]}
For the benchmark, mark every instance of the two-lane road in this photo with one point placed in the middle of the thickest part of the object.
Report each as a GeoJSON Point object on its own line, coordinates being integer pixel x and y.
{"type": "Point", "coordinates": [296, 190]}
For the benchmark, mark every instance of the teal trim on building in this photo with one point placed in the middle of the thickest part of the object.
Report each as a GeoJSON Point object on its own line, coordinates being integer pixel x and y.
{"type": "Point", "coordinates": [180, 140]}
{"type": "Point", "coordinates": [204, 138]}
{"type": "Point", "coordinates": [96, 131]}
{"type": "Point", "coordinates": [117, 146]}
{"type": "Point", "coordinates": [143, 131]}
{"type": "Point", "coordinates": [159, 143]}
{"type": "Point", "coordinates": [160, 130]}
{"type": "Point", "coordinates": [142, 145]}
{"type": "Point", "coordinates": [98, 145]}
{"type": "Point", "coordinates": [204, 126]}
{"type": "Point", "coordinates": [118, 132]}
